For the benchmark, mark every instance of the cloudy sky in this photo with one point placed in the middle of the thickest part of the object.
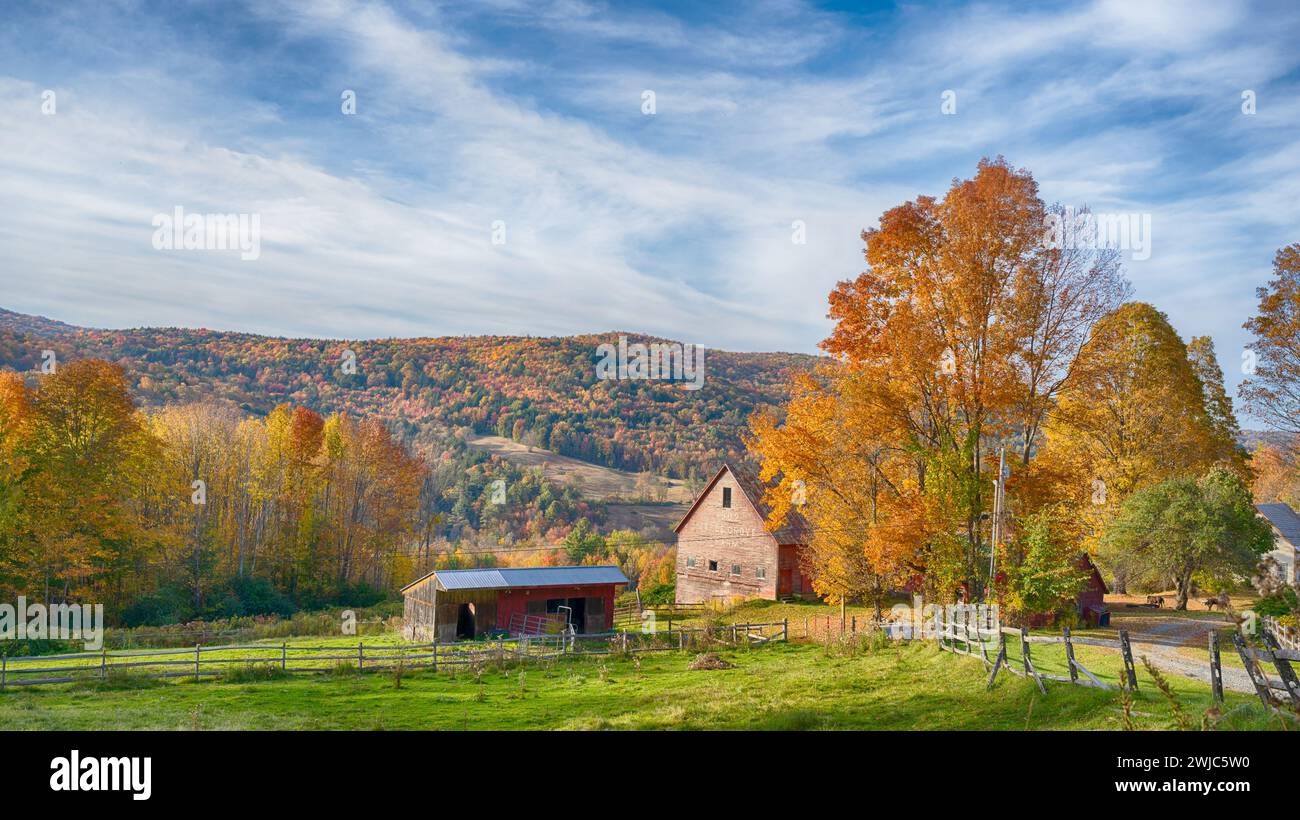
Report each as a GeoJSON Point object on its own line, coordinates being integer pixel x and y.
{"type": "Point", "coordinates": [533, 115]}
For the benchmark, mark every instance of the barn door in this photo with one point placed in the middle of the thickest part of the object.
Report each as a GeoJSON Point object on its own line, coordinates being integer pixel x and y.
{"type": "Point", "coordinates": [465, 621]}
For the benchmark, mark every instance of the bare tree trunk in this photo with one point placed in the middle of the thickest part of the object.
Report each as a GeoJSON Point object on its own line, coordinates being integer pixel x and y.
{"type": "Point", "coordinates": [1182, 585]}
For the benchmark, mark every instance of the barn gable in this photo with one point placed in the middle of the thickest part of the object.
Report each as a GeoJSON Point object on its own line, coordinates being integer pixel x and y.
{"type": "Point", "coordinates": [724, 549]}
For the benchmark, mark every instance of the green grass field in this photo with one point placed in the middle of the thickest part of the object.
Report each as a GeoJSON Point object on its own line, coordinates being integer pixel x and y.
{"type": "Point", "coordinates": [781, 686]}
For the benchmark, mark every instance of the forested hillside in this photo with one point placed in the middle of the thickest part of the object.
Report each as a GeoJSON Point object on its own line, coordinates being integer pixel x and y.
{"type": "Point", "coordinates": [541, 391]}
{"type": "Point", "coordinates": [173, 474]}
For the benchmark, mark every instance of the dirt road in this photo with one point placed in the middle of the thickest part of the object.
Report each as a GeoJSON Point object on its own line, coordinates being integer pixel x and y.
{"type": "Point", "coordinates": [1164, 639]}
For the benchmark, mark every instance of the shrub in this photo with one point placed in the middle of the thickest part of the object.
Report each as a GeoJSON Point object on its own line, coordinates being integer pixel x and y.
{"type": "Point", "coordinates": [25, 648]}
{"type": "Point", "coordinates": [659, 594]}
{"type": "Point", "coordinates": [1281, 603]}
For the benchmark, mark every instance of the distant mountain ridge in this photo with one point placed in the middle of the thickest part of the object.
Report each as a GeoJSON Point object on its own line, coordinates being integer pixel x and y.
{"type": "Point", "coordinates": [538, 390]}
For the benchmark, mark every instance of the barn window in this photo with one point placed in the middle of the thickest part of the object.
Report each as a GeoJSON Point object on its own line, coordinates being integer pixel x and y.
{"type": "Point", "coordinates": [760, 572]}
{"type": "Point", "coordinates": [735, 569]}
{"type": "Point", "coordinates": [713, 566]}
{"type": "Point", "coordinates": [690, 560]}
{"type": "Point", "coordinates": [726, 496]}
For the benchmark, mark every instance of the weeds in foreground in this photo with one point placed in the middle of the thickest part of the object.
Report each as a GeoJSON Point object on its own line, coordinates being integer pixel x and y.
{"type": "Point", "coordinates": [254, 673]}
{"type": "Point", "coordinates": [118, 681]}
{"type": "Point", "coordinates": [1180, 715]}
{"type": "Point", "coordinates": [852, 644]}
{"type": "Point", "coordinates": [343, 669]}
{"type": "Point", "coordinates": [1126, 708]}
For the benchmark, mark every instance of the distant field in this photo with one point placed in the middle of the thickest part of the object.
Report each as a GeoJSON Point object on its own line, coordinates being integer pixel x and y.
{"type": "Point", "coordinates": [782, 686]}
{"type": "Point", "coordinates": [659, 517]}
{"type": "Point", "coordinates": [595, 481]}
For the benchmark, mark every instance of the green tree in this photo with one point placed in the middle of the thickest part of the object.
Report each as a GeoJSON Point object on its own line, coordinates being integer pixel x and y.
{"type": "Point", "coordinates": [1048, 577]}
{"type": "Point", "coordinates": [582, 542]}
{"type": "Point", "coordinates": [1182, 527]}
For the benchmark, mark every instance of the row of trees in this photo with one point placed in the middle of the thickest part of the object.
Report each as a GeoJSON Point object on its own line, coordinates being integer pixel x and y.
{"type": "Point", "coordinates": [101, 502]}
{"type": "Point", "coordinates": [199, 510]}
{"type": "Point", "coordinates": [969, 335]}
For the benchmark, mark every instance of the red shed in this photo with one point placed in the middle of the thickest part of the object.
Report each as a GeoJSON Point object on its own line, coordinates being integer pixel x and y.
{"type": "Point", "coordinates": [452, 604]}
{"type": "Point", "coordinates": [1091, 603]}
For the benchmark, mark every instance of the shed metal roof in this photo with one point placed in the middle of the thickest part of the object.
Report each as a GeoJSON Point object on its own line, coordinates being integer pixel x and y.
{"type": "Point", "coordinates": [513, 577]}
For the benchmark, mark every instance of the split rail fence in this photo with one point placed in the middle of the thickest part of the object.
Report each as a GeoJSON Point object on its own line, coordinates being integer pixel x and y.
{"type": "Point", "coordinates": [214, 661]}
{"type": "Point", "coordinates": [990, 646]}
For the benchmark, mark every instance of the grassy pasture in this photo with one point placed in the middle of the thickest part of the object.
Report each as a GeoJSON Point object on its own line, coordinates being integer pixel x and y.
{"type": "Point", "coordinates": [782, 686]}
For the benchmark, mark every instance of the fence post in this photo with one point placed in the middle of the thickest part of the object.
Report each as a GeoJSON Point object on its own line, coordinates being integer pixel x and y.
{"type": "Point", "coordinates": [103, 664]}
{"type": "Point", "coordinates": [785, 630]}
{"type": "Point", "coordinates": [284, 656]}
{"type": "Point", "coordinates": [1216, 667]}
{"type": "Point", "coordinates": [853, 628]}
{"type": "Point", "coordinates": [805, 627]}
{"type": "Point", "coordinates": [361, 656]}
{"type": "Point", "coordinates": [733, 635]}
{"type": "Point", "coordinates": [196, 663]}
{"type": "Point", "coordinates": [1001, 659]}
{"type": "Point", "coordinates": [4, 668]}
{"type": "Point", "coordinates": [1284, 670]}
{"type": "Point", "coordinates": [435, 653]}
{"type": "Point", "coordinates": [1248, 661]}
{"type": "Point", "coordinates": [1126, 649]}
{"type": "Point", "coordinates": [1024, 649]}
{"type": "Point", "coordinates": [1069, 655]}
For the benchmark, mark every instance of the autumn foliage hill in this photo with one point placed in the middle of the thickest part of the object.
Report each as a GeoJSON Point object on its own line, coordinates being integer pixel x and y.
{"type": "Point", "coordinates": [539, 390]}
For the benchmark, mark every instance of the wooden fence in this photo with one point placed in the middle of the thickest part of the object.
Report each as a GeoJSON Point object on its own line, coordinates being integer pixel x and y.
{"type": "Point", "coordinates": [965, 639]}
{"type": "Point", "coordinates": [634, 618]}
{"type": "Point", "coordinates": [949, 635]}
{"type": "Point", "coordinates": [1288, 637]}
{"type": "Point", "coordinates": [214, 661]}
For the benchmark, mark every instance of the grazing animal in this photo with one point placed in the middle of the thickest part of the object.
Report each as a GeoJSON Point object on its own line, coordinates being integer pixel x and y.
{"type": "Point", "coordinates": [1220, 601]}
{"type": "Point", "coordinates": [1157, 601]}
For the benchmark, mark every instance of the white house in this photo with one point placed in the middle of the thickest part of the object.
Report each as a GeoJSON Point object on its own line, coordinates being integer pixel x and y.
{"type": "Point", "coordinates": [1286, 536]}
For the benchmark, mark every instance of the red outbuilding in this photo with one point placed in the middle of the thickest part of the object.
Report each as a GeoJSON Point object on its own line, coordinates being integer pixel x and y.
{"type": "Point", "coordinates": [452, 604]}
{"type": "Point", "coordinates": [1091, 603]}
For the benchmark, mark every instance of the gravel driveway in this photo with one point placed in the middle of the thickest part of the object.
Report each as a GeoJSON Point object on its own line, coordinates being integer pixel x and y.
{"type": "Point", "coordinates": [1160, 639]}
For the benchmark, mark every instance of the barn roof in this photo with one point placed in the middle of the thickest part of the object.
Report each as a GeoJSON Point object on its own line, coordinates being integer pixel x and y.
{"type": "Point", "coordinates": [514, 577]}
{"type": "Point", "coordinates": [1283, 519]}
{"type": "Point", "coordinates": [795, 530]}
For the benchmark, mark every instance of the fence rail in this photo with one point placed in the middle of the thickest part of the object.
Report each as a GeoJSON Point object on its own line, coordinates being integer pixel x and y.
{"type": "Point", "coordinates": [960, 637]}
{"type": "Point", "coordinates": [214, 661]}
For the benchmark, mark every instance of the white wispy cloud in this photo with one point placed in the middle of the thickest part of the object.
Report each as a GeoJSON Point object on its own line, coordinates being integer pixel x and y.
{"type": "Point", "coordinates": [677, 224]}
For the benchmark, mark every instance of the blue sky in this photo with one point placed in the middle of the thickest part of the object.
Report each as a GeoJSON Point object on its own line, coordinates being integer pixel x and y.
{"type": "Point", "coordinates": [676, 223]}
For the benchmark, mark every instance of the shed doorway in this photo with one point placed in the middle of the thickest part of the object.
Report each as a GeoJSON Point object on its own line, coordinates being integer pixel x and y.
{"type": "Point", "coordinates": [577, 611]}
{"type": "Point", "coordinates": [465, 621]}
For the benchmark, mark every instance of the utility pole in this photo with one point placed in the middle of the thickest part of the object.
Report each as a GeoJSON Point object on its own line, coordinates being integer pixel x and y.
{"type": "Point", "coordinates": [999, 500]}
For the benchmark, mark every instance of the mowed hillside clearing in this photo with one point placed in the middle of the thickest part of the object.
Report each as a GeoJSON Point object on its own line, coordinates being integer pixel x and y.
{"type": "Point", "coordinates": [618, 488]}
